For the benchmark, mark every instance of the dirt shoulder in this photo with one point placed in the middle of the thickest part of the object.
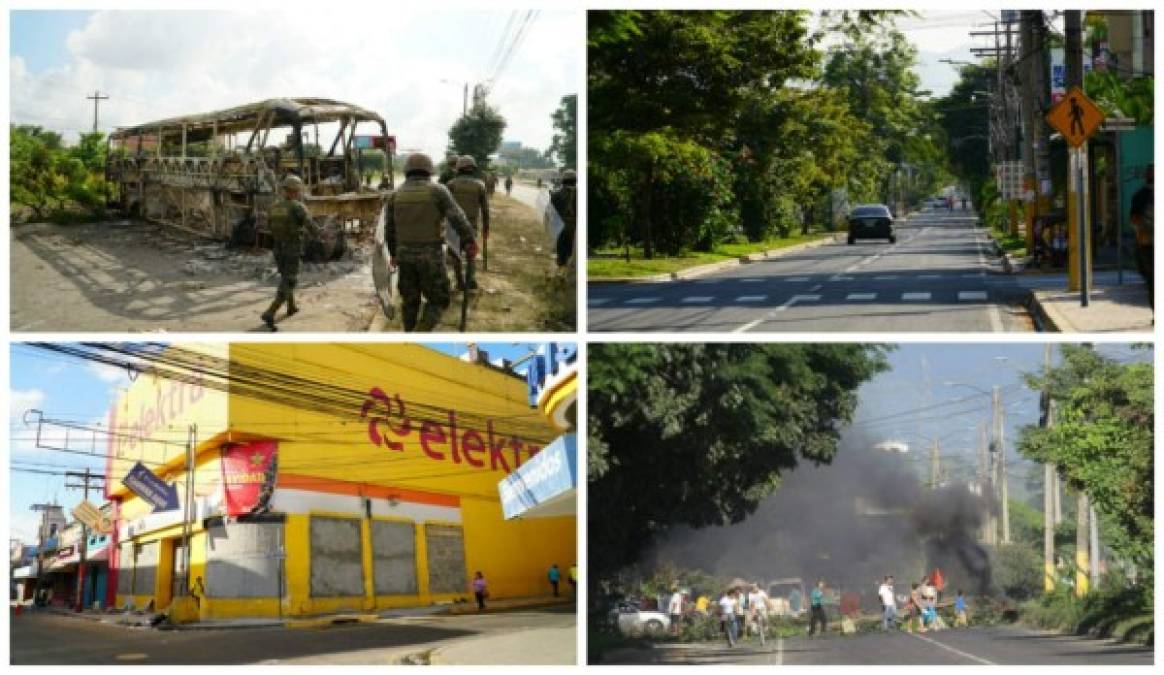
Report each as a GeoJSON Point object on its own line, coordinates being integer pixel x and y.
{"type": "Point", "coordinates": [134, 276]}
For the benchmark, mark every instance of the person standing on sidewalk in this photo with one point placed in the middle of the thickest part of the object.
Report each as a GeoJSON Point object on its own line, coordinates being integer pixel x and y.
{"type": "Point", "coordinates": [888, 604]}
{"type": "Point", "coordinates": [480, 590]}
{"type": "Point", "coordinates": [554, 575]}
{"type": "Point", "coordinates": [1143, 220]}
{"type": "Point", "coordinates": [675, 610]}
{"type": "Point", "coordinates": [816, 603]}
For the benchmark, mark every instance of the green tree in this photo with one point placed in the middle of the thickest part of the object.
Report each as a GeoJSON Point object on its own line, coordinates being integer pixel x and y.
{"type": "Point", "coordinates": [698, 434]}
{"type": "Point", "coordinates": [1102, 441]}
{"type": "Point", "coordinates": [51, 179]}
{"type": "Point", "coordinates": [564, 146]}
{"type": "Point", "coordinates": [477, 133]}
{"type": "Point", "coordinates": [964, 119]}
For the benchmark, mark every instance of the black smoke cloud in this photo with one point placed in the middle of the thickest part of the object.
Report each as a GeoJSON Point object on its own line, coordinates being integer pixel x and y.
{"type": "Point", "coordinates": [851, 523]}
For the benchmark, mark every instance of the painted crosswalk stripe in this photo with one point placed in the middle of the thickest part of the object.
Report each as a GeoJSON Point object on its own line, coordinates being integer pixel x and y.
{"type": "Point", "coordinates": [642, 301]}
{"type": "Point", "coordinates": [594, 302]}
{"type": "Point", "coordinates": [797, 279]}
{"type": "Point", "coordinates": [752, 298]}
{"type": "Point", "coordinates": [861, 296]}
{"type": "Point", "coordinates": [915, 296]}
{"type": "Point", "coordinates": [929, 276]}
{"type": "Point", "coordinates": [885, 277]}
{"type": "Point", "coordinates": [840, 277]}
{"type": "Point", "coordinates": [972, 295]}
{"type": "Point", "coordinates": [691, 299]}
{"type": "Point", "coordinates": [751, 280]}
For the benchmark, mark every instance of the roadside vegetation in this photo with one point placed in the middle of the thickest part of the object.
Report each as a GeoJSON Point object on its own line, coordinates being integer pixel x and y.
{"type": "Point", "coordinates": [50, 181]}
{"type": "Point", "coordinates": [630, 262]}
{"type": "Point", "coordinates": [711, 128]}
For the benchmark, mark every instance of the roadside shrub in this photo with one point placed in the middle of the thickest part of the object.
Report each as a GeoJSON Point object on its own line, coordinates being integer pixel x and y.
{"type": "Point", "coordinates": [1115, 610]}
{"type": "Point", "coordinates": [670, 195]}
{"type": "Point", "coordinates": [1018, 571]}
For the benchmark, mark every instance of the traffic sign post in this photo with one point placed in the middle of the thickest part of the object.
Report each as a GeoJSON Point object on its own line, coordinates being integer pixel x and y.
{"type": "Point", "coordinates": [1076, 117]}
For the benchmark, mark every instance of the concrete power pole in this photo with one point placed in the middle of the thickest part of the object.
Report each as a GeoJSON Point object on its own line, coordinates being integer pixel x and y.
{"type": "Point", "coordinates": [1082, 544]}
{"type": "Point", "coordinates": [1093, 535]}
{"type": "Point", "coordinates": [1048, 483]}
{"type": "Point", "coordinates": [999, 454]}
{"type": "Point", "coordinates": [97, 98]}
{"type": "Point", "coordinates": [1078, 234]}
{"type": "Point", "coordinates": [85, 478]}
{"type": "Point", "coordinates": [990, 527]}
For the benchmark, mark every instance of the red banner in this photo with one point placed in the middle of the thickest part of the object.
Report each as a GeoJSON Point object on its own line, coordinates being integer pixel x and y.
{"type": "Point", "coordinates": [248, 476]}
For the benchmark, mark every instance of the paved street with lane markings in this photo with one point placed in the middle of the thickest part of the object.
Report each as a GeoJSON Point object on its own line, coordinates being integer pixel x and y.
{"type": "Point", "coordinates": [941, 275]}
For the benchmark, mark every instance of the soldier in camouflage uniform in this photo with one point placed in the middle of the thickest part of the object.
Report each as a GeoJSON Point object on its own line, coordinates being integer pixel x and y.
{"type": "Point", "coordinates": [414, 217]}
{"type": "Point", "coordinates": [565, 202]}
{"type": "Point", "coordinates": [472, 195]}
{"type": "Point", "coordinates": [490, 183]}
{"type": "Point", "coordinates": [291, 226]}
{"type": "Point", "coordinates": [450, 171]}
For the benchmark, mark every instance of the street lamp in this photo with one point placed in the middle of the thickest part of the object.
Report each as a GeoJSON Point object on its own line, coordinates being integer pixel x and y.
{"type": "Point", "coordinates": [997, 444]}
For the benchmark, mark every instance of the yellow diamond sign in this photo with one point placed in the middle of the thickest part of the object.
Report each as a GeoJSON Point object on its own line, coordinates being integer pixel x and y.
{"type": "Point", "coordinates": [1076, 117]}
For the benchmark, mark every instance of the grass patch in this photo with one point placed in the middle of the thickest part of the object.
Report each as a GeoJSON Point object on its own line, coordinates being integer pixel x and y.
{"type": "Point", "coordinates": [604, 264]}
{"type": "Point", "coordinates": [1015, 245]}
{"type": "Point", "coordinates": [1110, 612]}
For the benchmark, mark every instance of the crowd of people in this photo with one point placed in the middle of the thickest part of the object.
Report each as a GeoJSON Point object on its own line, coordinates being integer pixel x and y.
{"type": "Point", "coordinates": [920, 605]}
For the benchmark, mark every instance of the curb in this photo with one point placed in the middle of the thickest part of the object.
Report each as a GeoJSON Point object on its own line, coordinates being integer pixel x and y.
{"type": "Point", "coordinates": [1044, 322]}
{"type": "Point", "coordinates": [701, 270]}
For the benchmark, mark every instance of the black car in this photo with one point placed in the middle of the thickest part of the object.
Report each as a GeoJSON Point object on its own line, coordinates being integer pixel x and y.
{"type": "Point", "coordinates": [871, 221]}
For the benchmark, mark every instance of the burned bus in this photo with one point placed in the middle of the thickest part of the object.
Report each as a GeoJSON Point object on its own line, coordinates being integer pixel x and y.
{"type": "Point", "coordinates": [215, 174]}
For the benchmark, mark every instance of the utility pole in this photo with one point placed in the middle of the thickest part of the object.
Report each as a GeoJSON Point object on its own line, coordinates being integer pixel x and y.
{"type": "Point", "coordinates": [1048, 482]}
{"type": "Point", "coordinates": [1078, 234]}
{"type": "Point", "coordinates": [998, 453]}
{"type": "Point", "coordinates": [1094, 537]}
{"type": "Point", "coordinates": [465, 101]}
{"type": "Point", "coordinates": [935, 465]}
{"type": "Point", "coordinates": [97, 98]}
{"type": "Point", "coordinates": [85, 478]}
{"type": "Point", "coordinates": [1082, 546]}
{"type": "Point", "coordinates": [986, 464]}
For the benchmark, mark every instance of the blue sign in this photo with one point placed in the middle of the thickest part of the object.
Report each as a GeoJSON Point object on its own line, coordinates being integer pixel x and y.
{"type": "Point", "coordinates": [143, 483]}
{"type": "Point", "coordinates": [545, 365]}
{"type": "Point", "coordinates": [552, 475]}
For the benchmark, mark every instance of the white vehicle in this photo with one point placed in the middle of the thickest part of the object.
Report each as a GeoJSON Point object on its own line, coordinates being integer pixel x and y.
{"type": "Point", "coordinates": [634, 621]}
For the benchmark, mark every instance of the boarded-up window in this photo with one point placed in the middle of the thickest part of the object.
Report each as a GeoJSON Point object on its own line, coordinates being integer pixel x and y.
{"type": "Point", "coordinates": [125, 569]}
{"type": "Point", "coordinates": [446, 559]}
{"type": "Point", "coordinates": [394, 558]}
{"type": "Point", "coordinates": [244, 560]}
{"type": "Point", "coordinates": [145, 568]}
{"type": "Point", "coordinates": [337, 564]}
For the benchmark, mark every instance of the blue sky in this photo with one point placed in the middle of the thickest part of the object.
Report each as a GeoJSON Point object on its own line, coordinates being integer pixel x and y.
{"type": "Point", "coordinates": [70, 390]}
{"type": "Point", "coordinates": [183, 62]}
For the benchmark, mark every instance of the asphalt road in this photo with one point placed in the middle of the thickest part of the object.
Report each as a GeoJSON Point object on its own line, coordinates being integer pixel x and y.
{"type": "Point", "coordinates": [975, 646]}
{"type": "Point", "coordinates": [50, 639]}
{"type": "Point", "coordinates": [940, 276]}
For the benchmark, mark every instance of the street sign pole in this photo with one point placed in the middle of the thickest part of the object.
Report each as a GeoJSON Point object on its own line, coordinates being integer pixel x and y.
{"type": "Point", "coordinates": [1080, 205]}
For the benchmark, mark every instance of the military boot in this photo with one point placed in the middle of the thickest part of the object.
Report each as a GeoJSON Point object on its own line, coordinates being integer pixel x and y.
{"type": "Point", "coordinates": [470, 276]}
{"type": "Point", "coordinates": [268, 316]}
{"type": "Point", "coordinates": [292, 308]}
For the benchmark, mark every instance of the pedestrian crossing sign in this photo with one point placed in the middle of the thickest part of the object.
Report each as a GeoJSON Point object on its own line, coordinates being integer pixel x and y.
{"type": "Point", "coordinates": [1076, 117]}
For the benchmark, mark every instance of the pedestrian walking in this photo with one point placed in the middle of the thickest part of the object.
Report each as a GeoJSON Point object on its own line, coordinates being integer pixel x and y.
{"type": "Point", "coordinates": [758, 611]}
{"type": "Point", "coordinates": [291, 225]}
{"type": "Point", "coordinates": [573, 577]}
{"type": "Point", "coordinates": [1143, 220]}
{"type": "Point", "coordinates": [480, 590]}
{"type": "Point", "coordinates": [414, 216]}
{"type": "Point", "coordinates": [960, 610]}
{"type": "Point", "coordinates": [727, 616]}
{"type": "Point", "coordinates": [817, 610]}
{"type": "Point", "coordinates": [555, 576]}
{"type": "Point", "coordinates": [472, 196]}
{"type": "Point", "coordinates": [888, 604]}
{"type": "Point", "coordinates": [508, 185]}
{"type": "Point", "coordinates": [915, 605]}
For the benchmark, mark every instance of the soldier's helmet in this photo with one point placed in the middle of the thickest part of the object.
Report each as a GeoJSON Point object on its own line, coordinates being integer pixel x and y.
{"type": "Point", "coordinates": [466, 162]}
{"type": "Point", "coordinates": [419, 162]}
{"type": "Point", "coordinates": [569, 176]}
{"type": "Point", "coordinates": [293, 183]}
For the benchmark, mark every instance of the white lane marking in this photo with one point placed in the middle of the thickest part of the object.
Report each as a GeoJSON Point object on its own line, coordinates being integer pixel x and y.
{"type": "Point", "coordinates": [815, 288]}
{"type": "Point", "coordinates": [972, 295]}
{"type": "Point", "coordinates": [861, 296]}
{"type": "Point", "coordinates": [787, 303]}
{"type": "Point", "coordinates": [780, 651]}
{"type": "Point", "coordinates": [839, 277]}
{"type": "Point", "coordinates": [915, 296]}
{"type": "Point", "coordinates": [696, 298]}
{"type": "Point", "coordinates": [797, 279]}
{"type": "Point", "coordinates": [751, 280]}
{"type": "Point", "coordinates": [593, 302]}
{"type": "Point", "coordinates": [752, 298]}
{"type": "Point", "coordinates": [885, 277]}
{"type": "Point", "coordinates": [642, 301]}
{"type": "Point", "coordinates": [959, 652]}
{"type": "Point", "coordinates": [929, 276]}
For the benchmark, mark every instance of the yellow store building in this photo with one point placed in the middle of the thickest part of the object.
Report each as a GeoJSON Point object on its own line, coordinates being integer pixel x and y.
{"type": "Point", "coordinates": [326, 478]}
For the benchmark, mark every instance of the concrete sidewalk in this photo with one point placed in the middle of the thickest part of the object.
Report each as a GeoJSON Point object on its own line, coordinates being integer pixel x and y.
{"type": "Point", "coordinates": [1111, 309]}
{"type": "Point", "coordinates": [535, 647]}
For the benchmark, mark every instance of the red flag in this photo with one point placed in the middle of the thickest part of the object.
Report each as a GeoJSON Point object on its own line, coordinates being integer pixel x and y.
{"type": "Point", "coordinates": [248, 476]}
{"type": "Point", "coordinates": [938, 580]}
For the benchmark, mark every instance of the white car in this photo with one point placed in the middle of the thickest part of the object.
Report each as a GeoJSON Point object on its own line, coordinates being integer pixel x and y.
{"type": "Point", "coordinates": [633, 621]}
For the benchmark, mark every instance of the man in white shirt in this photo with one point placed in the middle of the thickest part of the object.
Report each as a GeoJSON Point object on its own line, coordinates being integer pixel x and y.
{"type": "Point", "coordinates": [888, 603]}
{"type": "Point", "coordinates": [758, 609]}
{"type": "Point", "coordinates": [675, 609]}
{"type": "Point", "coordinates": [727, 612]}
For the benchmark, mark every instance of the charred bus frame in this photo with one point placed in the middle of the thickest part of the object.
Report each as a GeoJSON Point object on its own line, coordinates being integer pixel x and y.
{"type": "Point", "coordinates": [193, 173]}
